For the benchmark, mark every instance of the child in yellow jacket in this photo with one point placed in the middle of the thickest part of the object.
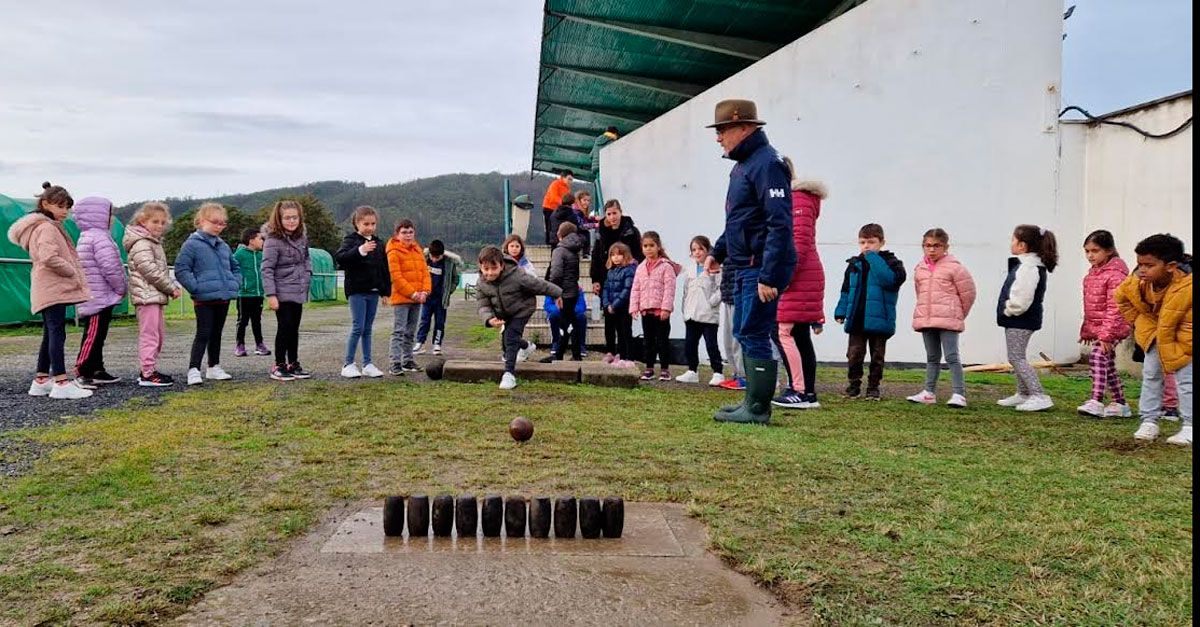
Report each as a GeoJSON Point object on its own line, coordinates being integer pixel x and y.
{"type": "Point", "coordinates": [1157, 301]}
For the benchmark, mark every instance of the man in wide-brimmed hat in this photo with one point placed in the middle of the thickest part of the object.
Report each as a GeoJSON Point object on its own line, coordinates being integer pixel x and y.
{"type": "Point", "coordinates": [757, 244]}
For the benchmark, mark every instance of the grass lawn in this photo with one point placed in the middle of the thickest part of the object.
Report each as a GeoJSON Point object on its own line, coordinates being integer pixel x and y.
{"type": "Point", "coordinates": [863, 513]}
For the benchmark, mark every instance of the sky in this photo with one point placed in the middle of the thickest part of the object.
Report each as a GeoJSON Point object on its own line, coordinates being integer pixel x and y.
{"type": "Point", "coordinates": [137, 99]}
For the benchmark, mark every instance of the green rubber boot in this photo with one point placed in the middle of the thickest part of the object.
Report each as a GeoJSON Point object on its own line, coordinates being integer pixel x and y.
{"type": "Point", "coordinates": [760, 386]}
{"type": "Point", "coordinates": [729, 409]}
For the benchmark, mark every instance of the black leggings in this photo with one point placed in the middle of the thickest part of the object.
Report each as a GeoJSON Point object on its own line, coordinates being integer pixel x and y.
{"type": "Point", "coordinates": [210, 321]}
{"type": "Point", "coordinates": [691, 345]}
{"type": "Point", "coordinates": [576, 336]}
{"type": "Point", "coordinates": [249, 312]}
{"type": "Point", "coordinates": [618, 328]}
{"type": "Point", "coordinates": [91, 346]}
{"type": "Point", "coordinates": [51, 358]}
{"type": "Point", "coordinates": [802, 336]}
{"type": "Point", "coordinates": [287, 333]}
{"type": "Point", "coordinates": [656, 340]}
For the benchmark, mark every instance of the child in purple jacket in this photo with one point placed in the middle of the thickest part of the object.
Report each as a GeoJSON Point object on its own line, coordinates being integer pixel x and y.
{"type": "Point", "coordinates": [101, 261]}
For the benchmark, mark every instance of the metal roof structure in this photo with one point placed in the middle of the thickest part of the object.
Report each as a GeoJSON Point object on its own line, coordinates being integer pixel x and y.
{"type": "Point", "coordinates": [622, 63]}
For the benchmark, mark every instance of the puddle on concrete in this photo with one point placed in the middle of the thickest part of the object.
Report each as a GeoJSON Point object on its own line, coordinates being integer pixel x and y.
{"type": "Point", "coordinates": [646, 534]}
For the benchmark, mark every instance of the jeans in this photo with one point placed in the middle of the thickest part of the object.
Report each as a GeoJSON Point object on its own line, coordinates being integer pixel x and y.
{"type": "Point", "coordinates": [1150, 405]}
{"type": "Point", "coordinates": [249, 312]}
{"type": "Point", "coordinates": [511, 340]}
{"type": "Point", "coordinates": [210, 321]}
{"type": "Point", "coordinates": [729, 345]}
{"type": "Point", "coordinates": [856, 353]}
{"type": "Point", "coordinates": [656, 338]}
{"type": "Point", "coordinates": [151, 330]}
{"type": "Point", "coordinates": [799, 356]}
{"type": "Point", "coordinates": [362, 316]}
{"type": "Point", "coordinates": [51, 359]}
{"type": "Point", "coordinates": [438, 314]}
{"type": "Point", "coordinates": [618, 329]}
{"type": "Point", "coordinates": [1028, 383]}
{"type": "Point", "coordinates": [287, 333]}
{"type": "Point", "coordinates": [941, 344]}
{"type": "Point", "coordinates": [91, 346]}
{"type": "Point", "coordinates": [753, 320]}
{"type": "Point", "coordinates": [693, 331]}
{"type": "Point", "coordinates": [404, 330]}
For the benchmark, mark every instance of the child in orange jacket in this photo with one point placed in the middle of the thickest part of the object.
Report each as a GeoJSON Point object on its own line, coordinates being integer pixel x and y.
{"type": "Point", "coordinates": [411, 285]}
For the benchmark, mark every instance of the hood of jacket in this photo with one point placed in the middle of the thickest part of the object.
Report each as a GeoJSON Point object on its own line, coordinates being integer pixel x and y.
{"type": "Point", "coordinates": [573, 242]}
{"type": "Point", "coordinates": [811, 186]}
{"type": "Point", "coordinates": [21, 231]}
{"type": "Point", "coordinates": [395, 244]}
{"type": "Point", "coordinates": [136, 233]}
{"type": "Point", "coordinates": [92, 212]}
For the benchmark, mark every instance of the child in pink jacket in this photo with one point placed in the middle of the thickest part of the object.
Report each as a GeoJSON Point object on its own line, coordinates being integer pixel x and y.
{"type": "Point", "coordinates": [945, 294]}
{"type": "Point", "coordinates": [653, 299]}
{"type": "Point", "coordinates": [1103, 325]}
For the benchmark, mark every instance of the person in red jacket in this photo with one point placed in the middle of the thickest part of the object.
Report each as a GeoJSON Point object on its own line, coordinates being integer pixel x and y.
{"type": "Point", "coordinates": [1103, 325]}
{"type": "Point", "coordinates": [802, 304]}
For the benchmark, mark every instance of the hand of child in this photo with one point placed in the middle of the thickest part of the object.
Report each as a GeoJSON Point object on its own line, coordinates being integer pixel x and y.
{"type": "Point", "coordinates": [177, 293]}
{"type": "Point", "coordinates": [367, 247]}
{"type": "Point", "coordinates": [663, 314]}
{"type": "Point", "coordinates": [839, 320]}
{"type": "Point", "coordinates": [818, 328]}
{"type": "Point", "coordinates": [558, 302]}
{"type": "Point", "coordinates": [711, 266]}
{"type": "Point", "coordinates": [1106, 346]}
{"type": "Point", "coordinates": [495, 322]}
{"type": "Point", "coordinates": [610, 309]}
{"type": "Point", "coordinates": [273, 303]}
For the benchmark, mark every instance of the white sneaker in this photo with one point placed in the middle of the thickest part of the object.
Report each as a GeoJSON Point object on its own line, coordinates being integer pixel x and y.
{"type": "Point", "coordinates": [216, 373]}
{"type": "Point", "coordinates": [691, 376]}
{"type": "Point", "coordinates": [924, 397]}
{"type": "Point", "coordinates": [1148, 431]}
{"type": "Point", "coordinates": [1092, 408]}
{"type": "Point", "coordinates": [41, 389]}
{"type": "Point", "coordinates": [957, 401]}
{"type": "Point", "coordinates": [67, 390]}
{"type": "Point", "coordinates": [1117, 410]}
{"type": "Point", "coordinates": [1012, 401]}
{"type": "Point", "coordinates": [508, 381]}
{"type": "Point", "coordinates": [524, 353]}
{"type": "Point", "coordinates": [418, 349]}
{"type": "Point", "coordinates": [1183, 438]}
{"type": "Point", "coordinates": [350, 371]}
{"type": "Point", "coordinates": [371, 371]}
{"type": "Point", "coordinates": [717, 379]}
{"type": "Point", "coordinates": [194, 377]}
{"type": "Point", "coordinates": [1037, 402]}
{"type": "Point", "coordinates": [437, 349]}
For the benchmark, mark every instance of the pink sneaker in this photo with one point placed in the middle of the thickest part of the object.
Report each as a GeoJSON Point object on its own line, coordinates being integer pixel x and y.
{"type": "Point", "coordinates": [665, 375]}
{"type": "Point", "coordinates": [609, 358]}
{"type": "Point", "coordinates": [240, 350]}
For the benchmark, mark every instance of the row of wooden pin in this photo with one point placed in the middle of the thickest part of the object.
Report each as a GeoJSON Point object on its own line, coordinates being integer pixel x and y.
{"type": "Point", "coordinates": [593, 517]}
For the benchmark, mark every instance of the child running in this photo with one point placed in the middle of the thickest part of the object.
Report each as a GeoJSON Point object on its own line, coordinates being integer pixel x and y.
{"type": "Point", "coordinates": [701, 314]}
{"type": "Point", "coordinates": [364, 261]}
{"type": "Point", "coordinates": [945, 295]}
{"type": "Point", "coordinates": [286, 273]}
{"type": "Point", "coordinates": [1019, 310]}
{"type": "Point", "coordinates": [507, 298]}
{"type": "Point", "coordinates": [652, 299]}
{"type": "Point", "coordinates": [101, 261]}
{"type": "Point", "coordinates": [56, 281]}
{"type": "Point", "coordinates": [207, 270]}
{"type": "Point", "coordinates": [250, 297]}
{"type": "Point", "coordinates": [614, 300]}
{"type": "Point", "coordinates": [150, 287]}
{"type": "Point", "coordinates": [1103, 325]}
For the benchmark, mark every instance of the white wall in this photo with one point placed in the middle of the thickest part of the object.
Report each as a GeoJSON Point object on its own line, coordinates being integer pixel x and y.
{"type": "Point", "coordinates": [916, 113]}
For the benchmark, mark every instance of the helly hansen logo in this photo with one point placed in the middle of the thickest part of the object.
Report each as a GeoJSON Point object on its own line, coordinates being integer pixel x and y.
{"type": "Point", "coordinates": [776, 193]}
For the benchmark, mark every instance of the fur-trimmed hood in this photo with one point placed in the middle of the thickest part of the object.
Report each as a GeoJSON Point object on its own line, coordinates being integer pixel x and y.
{"type": "Point", "coordinates": [811, 186]}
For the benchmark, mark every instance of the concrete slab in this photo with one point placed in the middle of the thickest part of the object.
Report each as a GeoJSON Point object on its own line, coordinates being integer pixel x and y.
{"type": "Point", "coordinates": [463, 371]}
{"type": "Point", "coordinates": [347, 573]}
{"type": "Point", "coordinates": [602, 374]}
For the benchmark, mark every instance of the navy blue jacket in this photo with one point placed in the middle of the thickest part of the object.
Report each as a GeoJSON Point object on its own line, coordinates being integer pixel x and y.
{"type": "Point", "coordinates": [1020, 302]}
{"type": "Point", "coordinates": [758, 214]}
{"type": "Point", "coordinates": [205, 267]}
{"type": "Point", "coordinates": [869, 293]}
{"type": "Point", "coordinates": [617, 287]}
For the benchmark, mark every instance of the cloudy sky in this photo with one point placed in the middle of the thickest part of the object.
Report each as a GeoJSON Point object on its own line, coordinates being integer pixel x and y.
{"type": "Point", "coordinates": [139, 99]}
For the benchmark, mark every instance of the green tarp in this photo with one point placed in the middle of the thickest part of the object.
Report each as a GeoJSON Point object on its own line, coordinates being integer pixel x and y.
{"type": "Point", "coordinates": [15, 267]}
{"type": "Point", "coordinates": [324, 279]}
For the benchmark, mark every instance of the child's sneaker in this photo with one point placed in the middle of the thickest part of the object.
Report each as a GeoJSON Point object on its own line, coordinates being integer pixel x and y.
{"type": "Point", "coordinates": [437, 349]}
{"type": "Point", "coordinates": [691, 376]}
{"type": "Point", "coordinates": [524, 353]}
{"type": "Point", "coordinates": [624, 363]}
{"type": "Point", "coordinates": [412, 366]}
{"type": "Point", "coordinates": [67, 390]}
{"type": "Point", "coordinates": [85, 383]}
{"type": "Point", "coordinates": [665, 375]}
{"type": "Point", "coordinates": [298, 372]}
{"type": "Point", "coordinates": [716, 380]}
{"type": "Point", "coordinates": [281, 373]}
{"type": "Point", "coordinates": [261, 350]}
{"type": "Point", "coordinates": [736, 384]}
{"type": "Point", "coordinates": [873, 394]}
{"type": "Point", "coordinates": [1037, 402]}
{"type": "Point", "coordinates": [608, 358]}
{"type": "Point", "coordinates": [810, 402]}
{"type": "Point", "coordinates": [1092, 407]}
{"type": "Point", "coordinates": [790, 399]}
{"type": "Point", "coordinates": [1171, 413]}
{"type": "Point", "coordinates": [1117, 410]}
{"type": "Point", "coordinates": [1147, 431]}
{"type": "Point", "coordinates": [240, 350]}
{"type": "Point", "coordinates": [1183, 438]}
{"type": "Point", "coordinates": [957, 401]}
{"type": "Point", "coordinates": [41, 388]}
{"type": "Point", "coordinates": [853, 391]}
{"type": "Point", "coordinates": [155, 379]}
{"type": "Point", "coordinates": [396, 370]}
{"type": "Point", "coordinates": [648, 374]}
{"type": "Point", "coordinates": [371, 372]}
{"type": "Point", "coordinates": [350, 371]}
{"type": "Point", "coordinates": [1012, 401]}
{"type": "Point", "coordinates": [924, 397]}
{"type": "Point", "coordinates": [508, 381]}
{"type": "Point", "coordinates": [419, 348]}
{"type": "Point", "coordinates": [194, 377]}
{"type": "Point", "coordinates": [217, 373]}
{"type": "Point", "coordinates": [103, 378]}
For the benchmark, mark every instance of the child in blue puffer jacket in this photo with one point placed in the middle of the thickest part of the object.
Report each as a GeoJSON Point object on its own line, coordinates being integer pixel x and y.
{"type": "Point", "coordinates": [867, 307]}
{"type": "Point", "coordinates": [614, 300]}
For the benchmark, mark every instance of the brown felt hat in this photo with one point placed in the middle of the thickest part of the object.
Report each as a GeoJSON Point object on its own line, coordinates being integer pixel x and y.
{"type": "Point", "coordinates": [736, 112]}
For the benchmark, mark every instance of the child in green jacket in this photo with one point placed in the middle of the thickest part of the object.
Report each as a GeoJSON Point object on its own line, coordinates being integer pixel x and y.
{"type": "Point", "coordinates": [250, 297]}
